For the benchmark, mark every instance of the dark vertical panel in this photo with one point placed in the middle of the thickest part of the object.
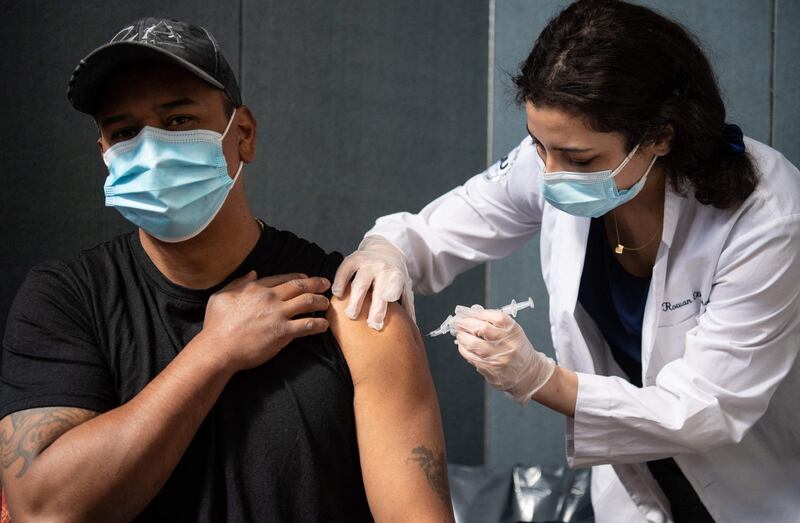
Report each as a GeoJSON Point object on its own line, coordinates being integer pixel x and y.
{"type": "Point", "coordinates": [52, 196]}
{"type": "Point", "coordinates": [787, 80]}
{"type": "Point", "coordinates": [367, 108]}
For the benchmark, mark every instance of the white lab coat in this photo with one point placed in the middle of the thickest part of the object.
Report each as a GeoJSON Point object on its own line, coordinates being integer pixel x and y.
{"type": "Point", "coordinates": [720, 336]}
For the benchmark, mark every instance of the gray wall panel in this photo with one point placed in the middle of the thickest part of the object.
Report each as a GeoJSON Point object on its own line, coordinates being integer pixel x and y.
{"type": "Point", "coordinates": [514, 434]}
{"type": "Point", "coordinates": [787, 80]}
{"type": "Point", "coordinates": [52, 201]}
{"type": "Point", "coordinates": [532, 434]}
{"type": "Point", "coordinates": [367, 108]}
{"type": "Point", "coordinates": [737, 38]}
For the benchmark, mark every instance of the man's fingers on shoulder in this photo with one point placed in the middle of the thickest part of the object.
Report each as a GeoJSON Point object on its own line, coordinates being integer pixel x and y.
{"type": "Point", "coordinates": [307, 327]}
{"type": "Point", "coordinates": [305, 303]}
{"type": "Point", "coordinates": [297, 286]}
{"type": "Point", "coordinates": [280, 279]}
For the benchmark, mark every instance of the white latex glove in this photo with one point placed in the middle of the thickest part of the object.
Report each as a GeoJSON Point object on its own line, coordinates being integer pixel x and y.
{"type": "Point", "coordinates": [497, 347]}
{"type": "Point", "coordinates": [380, 265]}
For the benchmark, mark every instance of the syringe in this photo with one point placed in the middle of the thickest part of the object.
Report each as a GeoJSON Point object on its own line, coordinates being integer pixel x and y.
{"type": "Point", "coordinates": [511, 309]}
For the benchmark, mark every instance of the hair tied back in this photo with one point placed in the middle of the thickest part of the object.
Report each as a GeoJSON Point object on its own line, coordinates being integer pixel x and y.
{"type": "Point", "coordinates": [734, 138]}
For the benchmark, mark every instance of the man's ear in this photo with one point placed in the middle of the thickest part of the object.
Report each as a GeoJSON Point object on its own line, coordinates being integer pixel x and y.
{"type": "Point", "coordinates": [246, 130]}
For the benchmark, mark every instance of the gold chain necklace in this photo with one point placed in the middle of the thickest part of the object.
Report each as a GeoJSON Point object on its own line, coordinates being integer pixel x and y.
{"type": "Point", "coordinates": [260, 223]}
{"type": "Point", "coordinates": [619, 249]}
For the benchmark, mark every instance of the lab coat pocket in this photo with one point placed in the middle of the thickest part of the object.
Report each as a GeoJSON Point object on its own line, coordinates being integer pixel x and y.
{"type": "Point", "coordinates": [669, 345]}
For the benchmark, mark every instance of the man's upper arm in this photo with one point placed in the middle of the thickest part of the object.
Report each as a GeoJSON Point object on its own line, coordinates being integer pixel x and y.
{"type": "Point", "coordinates": [53, 376]}
{"type": "Point", "coordinates": [400, 438]}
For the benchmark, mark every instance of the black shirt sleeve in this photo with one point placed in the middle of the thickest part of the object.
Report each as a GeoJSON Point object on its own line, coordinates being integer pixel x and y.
{"type": "Point", "coordinates": [50, 355]}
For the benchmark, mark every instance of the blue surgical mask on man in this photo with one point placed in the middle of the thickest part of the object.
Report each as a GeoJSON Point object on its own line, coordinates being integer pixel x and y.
{"type": "Point", "coordinates": [590, 194]}
{"type": "Point", "coordinates": [170, 183]}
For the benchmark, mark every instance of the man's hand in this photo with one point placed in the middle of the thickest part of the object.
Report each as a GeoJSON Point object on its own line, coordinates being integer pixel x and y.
{"type": "Point", "coordinates": [382, 266]}
{"type": "Point", "coordinates": [251, 320]}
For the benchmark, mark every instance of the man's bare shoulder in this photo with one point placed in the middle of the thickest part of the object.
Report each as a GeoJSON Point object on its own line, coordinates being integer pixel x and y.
{"type": "Point", "coordinates": [395, 351]}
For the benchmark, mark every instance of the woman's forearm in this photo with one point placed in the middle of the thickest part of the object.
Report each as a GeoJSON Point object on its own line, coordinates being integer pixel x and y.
{"type": "Point", "coordinates": [560, 393]}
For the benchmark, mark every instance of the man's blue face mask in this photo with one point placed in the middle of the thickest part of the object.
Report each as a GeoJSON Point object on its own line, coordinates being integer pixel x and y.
{"type": "Point", "coordinates": [589, 194]}
{"type": "Point", "coordinates": [170, 183]}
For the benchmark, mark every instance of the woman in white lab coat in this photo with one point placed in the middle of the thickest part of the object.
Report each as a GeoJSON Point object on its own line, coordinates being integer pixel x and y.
{"type": "Point", "coordinates": [670, 248]}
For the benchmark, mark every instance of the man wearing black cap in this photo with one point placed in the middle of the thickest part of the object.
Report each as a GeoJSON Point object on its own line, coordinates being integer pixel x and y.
{"type": "Point", "coordinates": [193, 370]}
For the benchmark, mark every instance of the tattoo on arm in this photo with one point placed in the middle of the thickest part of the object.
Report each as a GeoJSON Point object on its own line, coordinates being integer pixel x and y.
{"type": "Point", "coordinates": [435, 469]}
{"type": "Point", "coordinates": [27, 433]}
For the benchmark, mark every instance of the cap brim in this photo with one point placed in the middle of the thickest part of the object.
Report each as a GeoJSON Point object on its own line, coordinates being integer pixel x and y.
{"type": "Point", "coordinates": [89, 77]}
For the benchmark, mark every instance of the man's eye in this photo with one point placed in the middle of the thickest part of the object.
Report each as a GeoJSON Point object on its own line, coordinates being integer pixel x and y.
{"type": "Point", "coordinates": [124, 134]}
{"type": "Point", "coordinates": [178, 120]}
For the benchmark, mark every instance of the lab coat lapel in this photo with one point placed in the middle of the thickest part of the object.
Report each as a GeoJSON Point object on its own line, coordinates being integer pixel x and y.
{"type": "Point", "coordinates": [572, 238]}
{"type": "Point", "coordinates": [569, 240]}
{"type": "Point", "coordinates": [672, 208]}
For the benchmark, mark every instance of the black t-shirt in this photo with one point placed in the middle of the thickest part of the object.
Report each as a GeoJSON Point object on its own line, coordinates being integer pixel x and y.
{"type": "Point", "coordinates": [280, 442]}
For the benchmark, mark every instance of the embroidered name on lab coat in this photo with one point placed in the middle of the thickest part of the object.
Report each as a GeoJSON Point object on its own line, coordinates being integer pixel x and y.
{"type": "Point", "coordinates": [669, 306]}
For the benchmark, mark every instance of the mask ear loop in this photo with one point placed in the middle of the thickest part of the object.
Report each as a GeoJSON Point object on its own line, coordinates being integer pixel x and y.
{"type": "Point", "coordinates": [649, 168]}
{"type": "Point", "coordinates": [241, 163]}
{"type": "Point", "coordinates": [228, 127]}
{"type": "Point", "coordinates": [625, 161]}
{"type": "Point", "coordinates": [238, 172]}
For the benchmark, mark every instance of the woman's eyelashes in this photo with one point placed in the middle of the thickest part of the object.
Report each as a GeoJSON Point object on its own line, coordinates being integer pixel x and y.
{"type": "Point", "coordinates": [581, 163]}
{"type": "Point", "coordinates": [569, 160]}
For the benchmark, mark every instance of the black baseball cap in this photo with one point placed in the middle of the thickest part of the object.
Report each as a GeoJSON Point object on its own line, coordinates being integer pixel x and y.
{"type": "Point", "coordinates": [189, 46]}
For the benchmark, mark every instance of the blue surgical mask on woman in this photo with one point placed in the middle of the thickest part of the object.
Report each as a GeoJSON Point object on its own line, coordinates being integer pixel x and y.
{"type": "Point", "coordinates": [170, 183]}
{"type": "Point", "coordinates": [589, 194]}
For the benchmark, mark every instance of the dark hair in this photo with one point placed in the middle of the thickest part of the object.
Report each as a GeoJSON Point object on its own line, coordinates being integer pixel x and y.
{"type": "Point", "coordinates": [628, 69]}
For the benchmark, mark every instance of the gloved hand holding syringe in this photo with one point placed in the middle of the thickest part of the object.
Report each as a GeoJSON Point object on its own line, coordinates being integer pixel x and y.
{"type": "Point", "coordinates": [495, 344]}
{"type": "Point", "coordinates": [511, 309]}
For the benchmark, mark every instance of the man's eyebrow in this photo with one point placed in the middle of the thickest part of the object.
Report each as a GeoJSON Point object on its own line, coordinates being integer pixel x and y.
{"type": "Point", "coordinates": [565, 149]}
{"type": "Point", "coordinates": [113, 119]}
{"type": "Point", "coordinates": [177, 103]}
